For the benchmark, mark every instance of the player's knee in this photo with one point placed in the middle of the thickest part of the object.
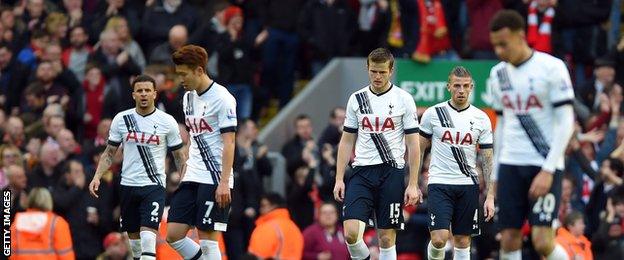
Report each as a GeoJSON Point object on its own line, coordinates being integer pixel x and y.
{"type": "Point", "coordinates": [543, 244]}
{"type": "Point", "coordinates": [387, 239]}
{"type": "Point", "coordinates": [511, 240]}
{"type": "Point", "coordinates": [351, 236]}
{"type": "Point", "coordinates": [438, 239]}
{"type": "Point", "coordinates": [173, 236]}
{"type": "Point", "coordinates": [461, 241]}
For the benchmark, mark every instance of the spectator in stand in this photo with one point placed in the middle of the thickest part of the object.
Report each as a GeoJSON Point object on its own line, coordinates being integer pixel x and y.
{"type": "Point", "coordinates": [115, 248]}
{"type": "Point", "coordinates": [17, 185]}
{"type": "Point", "coordinates": [276, 235]}
{"type": "Point", "coordinates": [235, 64]}
{"type": "Point", "coordinates": [34, 14]}
{"type": "Point", "coordinates": [571, 237]}
{"type": "Point", "coordinates": [324, 239]}
{"type": "Point", "coordinates": [328, 27]}
{"type": "Point", "coordinates": [374, 18]}
{"type": "Point", "coordinates": [111, 8]}
{"type": "Point", "coordinates": [119, 24]}
{"type": "Point", "coordinates": [251, 154]}
{"type": "Point", "coordinates": [604, 76]}
{"type": "Point", "coordinates": [33, 51]}
{"type": "Point", "coordinates": [76, 17]}
{"type": "Point", "coordinates": [9, 155]}
{"type": "Point", "coordinates": [611, 173]}
{"type": "Point", "coordinates": [14, 132]}
{"type": "Point", "coordinates": [72, 201]}
{"type": "Point", "coordinates": [13, 78]}
{"type": "Point", "coordinates": [570, 201]}
{"type": "Point", "coordinates": [480, 12]}
{"type": "Point", "coordinates": [39, 232]}
{"type": "Point", "coordinates": [608, 240]}
{"type": "Point", "coordinates": [617, 54]}
{"type": "Point", "coordinates": [293, 149]}
{"type": "Point", "coordinates": [95, 97]}
{"type": "Point", "coordinates": [303, 193]}
{"type": "Point", "coordinates": [47, 173]}
{"type": "Point", "coordinates": [332, 133]}
{"type": "Point", "coordinates": [160, 17]}
{"type": "Point", "coordinates": [161, 54]}
{"type": "Point", "coordinates": [68, 145]}
{"type": "Point", "coordinates": [75, 56]}
{"type": "Point", "coordinates": [435, 42]}
{"type": "Point", "coordinates": [55, 25]}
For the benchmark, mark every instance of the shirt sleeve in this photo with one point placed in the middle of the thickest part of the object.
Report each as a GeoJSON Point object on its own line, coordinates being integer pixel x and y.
{"type": "Point", "coordinates": [227, 115]}
{"type": "Point", "coordinates": [174, 141]}
{"type": "Point", "coordinates": [351, 121]}
{"type": "Point", "coordinates": [410, 118]}
{"type": "Point", "coordinates": [494, 86]}
{"type": "Point", "coordinates": [426, 129]}
{"type": "Point", "coordinates": [114, 135]}
{"type": "Point", "coordinates": [485, 137]}
{"type": "Point", "coordinates": [561, 91]}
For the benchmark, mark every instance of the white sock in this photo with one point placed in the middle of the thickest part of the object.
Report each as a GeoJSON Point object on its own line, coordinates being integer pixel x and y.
{"type": "Point", "coordinates": [388, 253]}
{"type": "Point", "coordinates": [135, 246]}
{"type": "Point", "coordinates": [148, 245]}
{"type": "Point", "coordinates": [359, 250]}
{"type": "Point", "coordinates": [210, 249]}
{"type": "Point", "coordinates": [513, 255]}
{"type": "Point", "coordinates": [558, 253]}
{"type": "Point", "coordinates": [435, 253]}
{"type": "Point", "coordinates": [461, 253]}
{"type": "Point", "coordinates": [187, 248]}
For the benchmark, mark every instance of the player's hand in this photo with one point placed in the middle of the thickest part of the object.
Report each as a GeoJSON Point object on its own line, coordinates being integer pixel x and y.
{"type": "Point", "coordinates": [339, 191]}
{"type": "Point", "coordinates": [412, 196]}
{"type": "Point", "coordinates": [223, 195]}
{"type": "Point", "coordinates": [541, 184]}
{"type": "Point", "coordinates": [94, 186]}
{"type": "Point", "coordinates": [488, 208]}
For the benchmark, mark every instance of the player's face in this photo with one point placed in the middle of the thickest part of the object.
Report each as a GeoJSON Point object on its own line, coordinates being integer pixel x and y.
{"type": "Point", "coordinates": [144, 95]}
{"type": "Point", "coordinates": [190, 79]}
{"type": "Point", "coordinates": [507, 44]}
{"type": "Point", "coordinates": [460, 88]}
{"type": "Point", "coordinates": [379, 73]}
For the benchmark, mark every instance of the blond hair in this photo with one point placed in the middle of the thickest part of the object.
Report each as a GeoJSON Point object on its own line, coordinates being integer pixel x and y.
{"type": "Point", "coordinates": [41, 199]}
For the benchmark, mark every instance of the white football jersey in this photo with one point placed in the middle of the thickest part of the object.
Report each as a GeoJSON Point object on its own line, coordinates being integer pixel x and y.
{"type": "Point", "coordinates": [526, 96]}
{"type": "Point", "coordinates": [381, 122]}
{"type": "Point", "coordinates": [207, 116]}
{"type": "Point", "coordinates": [454, 137]}
{"type": "Point", "coordinates": [145, 141]}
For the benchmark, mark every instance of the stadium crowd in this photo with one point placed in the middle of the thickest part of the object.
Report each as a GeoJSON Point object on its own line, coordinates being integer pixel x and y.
{"type": "Point", "coordinates": [66, 68]}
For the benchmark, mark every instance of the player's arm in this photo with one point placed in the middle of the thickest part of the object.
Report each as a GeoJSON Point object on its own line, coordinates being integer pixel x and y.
{"type": "Point", "coordinates": [563, 129]}
{"type": "Point", "coordinates": [414, 152]}
{"type": "Point", "coordinates": [106, 160]}
{"type": "Point", "coordinates": [487, 164]}
{"type": "Point", "coordinates": [223, 189]}
{"type": "Point", "coordinates": [179, 158]}
{"type": "Point", "coordinates": [345, 148]}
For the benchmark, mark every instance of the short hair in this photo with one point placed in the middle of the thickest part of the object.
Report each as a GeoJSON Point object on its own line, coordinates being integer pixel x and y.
{"type": "Point", "coordinates": [571, 218]}
{"type": "Point", "coordinates": [66, 168]}
{"type": "Point", "coordinates": [380, 55]}
{"type": "Point", "coordinates": [35, 89]}
{"type": "Point", "coordinates": [38, 34]}
{"type": "Point", "coordinates": [301, 117]}
{"type": "Point", "coordinates": [144, 78]}
{"type": "Point", "coordinates": [275, 199]}
{"type": "Point", "coordinates": [332, 114]}
{"type": "Point", "coordinates": [617, 166]}
{"type": "Point", "coordinates": [192, 56]}
{"type": "Point", "coordinates": [507, 19]}
{"type": "Point", "coordinates": [40, 198]}
{"type": "Point", "coordinates": [460, 72]}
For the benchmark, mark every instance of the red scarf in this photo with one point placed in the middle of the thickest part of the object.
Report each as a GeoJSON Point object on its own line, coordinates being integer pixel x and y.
{"type": "Point", "coordinates": [538, 35]}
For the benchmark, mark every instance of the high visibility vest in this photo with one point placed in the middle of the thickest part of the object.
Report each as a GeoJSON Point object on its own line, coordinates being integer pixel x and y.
{"type": "Point", "coordinates": [38, 235]}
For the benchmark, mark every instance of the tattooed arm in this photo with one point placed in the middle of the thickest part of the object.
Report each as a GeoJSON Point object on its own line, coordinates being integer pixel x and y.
{"type": "Point", "coordinates": [106, 160]}
{"type": "Point", "coordinates": [179, 158]}
{"type": "Point", "coordinates": [487, 165]}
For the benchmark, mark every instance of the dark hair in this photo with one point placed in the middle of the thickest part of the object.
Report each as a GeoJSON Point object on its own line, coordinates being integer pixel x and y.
{"type": "Point", "coordinates": [38, 34]}
{"type": "Point", "coordinates": [192, 56]}
{"type": "Point", "coordinates": [617, 166]}
{"type": "Point", "coordinates": [144, 78]}
{"type": "Point", "coordinates": [380, 55]}
{"type": "Point", "coordinates": [570, 178]}
{"type": "Point", "coordinates": [275, 199]}
{"type": "Point", "coordinates": [67, 165]}
{"type": "Point", "coordinates": [332, 114]}
{"type": "Point", "coordinates": [507, 19]}
{"type": "Point", "coordinates": [301, 117]}
{"type": "Point", "coordinates": [35, 89]}
{"type": "Point", "coordinates": [460, 72]}
{"type": "Point", "coordinates": [571, 218]}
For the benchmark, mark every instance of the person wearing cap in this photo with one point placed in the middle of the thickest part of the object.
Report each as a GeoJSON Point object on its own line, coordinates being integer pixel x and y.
{"type": "Point", "coordinates": [604, 76]}
{"type": "Point", "coordinates": [115, 247]}
{"type": "Point", "coordinates": [38, 233]}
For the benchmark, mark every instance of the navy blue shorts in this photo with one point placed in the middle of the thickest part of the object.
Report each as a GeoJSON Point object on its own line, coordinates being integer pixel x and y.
{"type": "Point", "coordinates": [454, 207]}
{"type": "Point", "coordinates": [195, 204]}
{"type": "Point", "coordinates": [141, 207]}
{"type": "Point", "coordinates": [514, 204]}
{"type": "Point", "coordinates": [378, 190]}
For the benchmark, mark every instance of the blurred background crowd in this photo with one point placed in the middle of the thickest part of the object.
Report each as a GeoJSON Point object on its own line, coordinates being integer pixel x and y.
{"type": "Point", "coordinates": [66, 67]}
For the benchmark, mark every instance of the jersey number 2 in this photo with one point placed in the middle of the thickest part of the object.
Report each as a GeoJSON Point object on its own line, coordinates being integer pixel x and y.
{"type": "Point", "coordinates": [156, 207]}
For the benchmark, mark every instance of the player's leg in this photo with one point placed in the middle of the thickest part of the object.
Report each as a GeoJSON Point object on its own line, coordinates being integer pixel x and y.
{"type": "Point", "coordinates": [356, 210]}
{"type": "Point", "coordinates": [181, 218]}
{"type": "Point", "coordinates": [151, 209]}
{"type": "Point", "coordinates": [389, 209]}
{"type": "Point", "coordinates": [465, 221]}
{"type": "Point", "coordinates": [210, 220]}
{"type": "Point", "coordinates": [512, 192]}
{"type": "Point", "coordinates": [130, 218]}
{"type": "Point", "coordinates": [440, 203]}
{"type": "Point", "coordinates": [544, 211]}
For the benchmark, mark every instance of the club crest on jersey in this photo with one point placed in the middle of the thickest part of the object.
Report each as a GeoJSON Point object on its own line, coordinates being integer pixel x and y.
{"type": "Point", "coordinates": [143, 138]}
{"type": "Point", "coordinates": [391, 107]}
{"type": "Point", "coordinates": [517, 104]}
{"type": "Point", "coordinates": [447, 137]}
{"type": "Point", "coordinates": [198, 125]}
{"type": "Point", "coordinates": [376, 125]}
